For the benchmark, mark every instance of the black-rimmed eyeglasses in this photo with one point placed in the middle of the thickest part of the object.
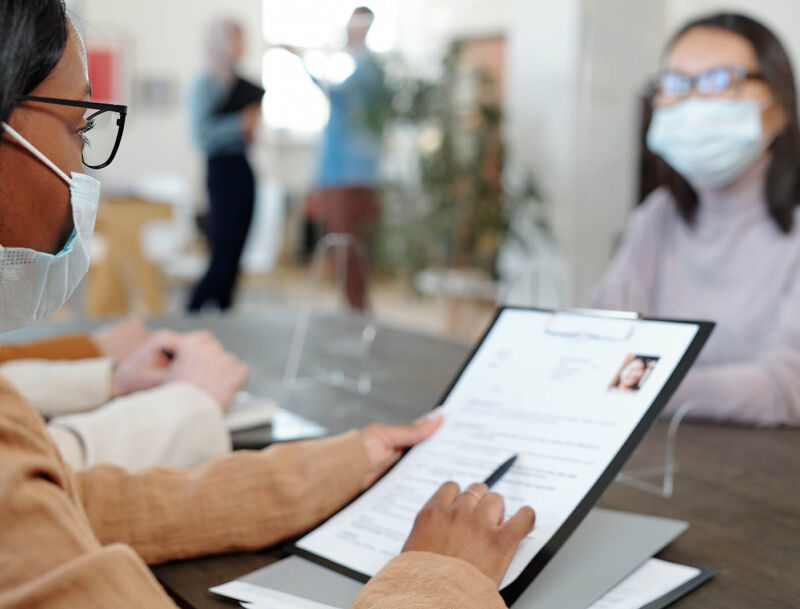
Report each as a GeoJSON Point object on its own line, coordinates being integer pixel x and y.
{"type": "Point", "coordinates": [102, 133]}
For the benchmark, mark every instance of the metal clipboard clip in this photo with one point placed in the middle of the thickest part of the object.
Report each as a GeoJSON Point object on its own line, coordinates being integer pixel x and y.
{"type": "Point", "coordinates": [593, 323]}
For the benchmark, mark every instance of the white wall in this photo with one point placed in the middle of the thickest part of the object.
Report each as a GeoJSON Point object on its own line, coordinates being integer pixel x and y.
{"type": "Point", "coordinates": [426, 27]}
{"type": "Point", "coordinates": [781, 16]}
{"type": "Point", "coordinates": [544, 43]}
{"type": "Point", "coordinates": [621, 49]}
{"type": "Point", "coordinates": [575, 69]}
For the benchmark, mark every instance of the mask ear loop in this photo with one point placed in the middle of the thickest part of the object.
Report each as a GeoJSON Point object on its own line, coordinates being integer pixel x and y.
{"type": "Point", "coordinates": [35, 152]}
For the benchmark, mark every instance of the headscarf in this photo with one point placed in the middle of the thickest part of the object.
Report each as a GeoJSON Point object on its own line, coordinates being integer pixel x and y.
{"type": "Point", "coordinates": [221, 63]}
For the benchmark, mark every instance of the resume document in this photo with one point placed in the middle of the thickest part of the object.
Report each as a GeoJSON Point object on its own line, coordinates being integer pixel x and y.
{"type": "Point", "coordinates": [563, 396]}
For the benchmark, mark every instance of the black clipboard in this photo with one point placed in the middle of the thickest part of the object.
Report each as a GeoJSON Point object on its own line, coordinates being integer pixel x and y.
{"type": "Point", "coordinates": [515, 589]}
{"type": "Point", "coordinates": [242, 94]}
{"type": "Point", "coordinates": [678, 593]}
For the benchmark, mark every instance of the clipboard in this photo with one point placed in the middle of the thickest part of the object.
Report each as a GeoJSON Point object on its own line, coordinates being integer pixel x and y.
{"type": "Point", "coordinates": [555, 325]}
{"type": "Point", "coordinates": [242, 94]}
{"type": "Point", "coordinates": [618, 325]}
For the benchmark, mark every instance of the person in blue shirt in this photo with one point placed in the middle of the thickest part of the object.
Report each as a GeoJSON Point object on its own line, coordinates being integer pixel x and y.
{"type": "Point", "coordinates": [223, 135]}
{"type": "Point", "coordinates": [346, 201]}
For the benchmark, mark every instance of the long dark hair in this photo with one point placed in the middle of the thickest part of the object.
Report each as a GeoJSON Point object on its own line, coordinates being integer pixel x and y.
{"type": "Point", "coordinates": [33, 36]}
{"type": "Point", "coordinates": [783, 176]}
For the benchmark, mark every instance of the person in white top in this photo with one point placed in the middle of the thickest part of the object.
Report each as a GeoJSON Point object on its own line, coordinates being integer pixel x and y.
{"type": "Point", "coordinates": [132, 407]}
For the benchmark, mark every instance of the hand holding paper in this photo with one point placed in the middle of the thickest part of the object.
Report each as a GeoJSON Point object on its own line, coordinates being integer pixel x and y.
{"type": "Point", "coordinates": [385, 443]}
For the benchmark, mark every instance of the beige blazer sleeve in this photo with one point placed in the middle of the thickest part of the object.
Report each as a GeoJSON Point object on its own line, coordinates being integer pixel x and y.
{"type": "Point", "coordinates": [244, 501]}
{"type": "Point", "coordinates": [49, 556]}
{"type": "Point", "coordinates": [421, 580]}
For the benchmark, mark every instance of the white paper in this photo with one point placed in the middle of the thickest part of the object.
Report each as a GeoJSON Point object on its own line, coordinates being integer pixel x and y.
{"type": "Point", "coordinates": [258, 597]}
{"type": "Point", "coordinates": [250, 411]}
{"type": "Point", "coordinates": [299, 603]}
{"type": "Point", "coordinates": [289, 426]}
{"type": "Point", "coordinates": [544, 396]}
{"type": "Point", "coordinates": [648, 583]}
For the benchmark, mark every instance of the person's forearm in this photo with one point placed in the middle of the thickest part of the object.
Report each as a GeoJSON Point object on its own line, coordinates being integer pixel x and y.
{"type": "Point", "coordinates": [748, 393]}
{"type": "Point", "coordinates": [61, 387]}
{"type": "Point", "coordinates": [176, 425]}
{"type": "Point", "coordinates": [430, 581]}
{"type": "Point", "coordinates": [243, 501]}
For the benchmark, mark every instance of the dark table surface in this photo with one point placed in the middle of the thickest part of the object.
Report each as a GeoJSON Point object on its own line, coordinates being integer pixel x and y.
{"type": "Point", "coordinates": [738, 488]}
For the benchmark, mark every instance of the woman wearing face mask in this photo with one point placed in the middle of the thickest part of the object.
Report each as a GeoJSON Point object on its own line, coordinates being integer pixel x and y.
{"type": "Point", "coordinates": [720, 239]}
{"type": "Point", "coordinates": [80, 539]}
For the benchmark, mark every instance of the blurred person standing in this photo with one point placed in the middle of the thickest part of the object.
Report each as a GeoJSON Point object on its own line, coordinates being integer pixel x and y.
{"type": "Point", "coordinates": [346, 200]}
{"type": "Point", "coordinates": [225, 111]}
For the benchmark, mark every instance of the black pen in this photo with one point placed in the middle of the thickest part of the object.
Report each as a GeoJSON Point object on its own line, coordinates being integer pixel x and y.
{"type": "Point", "coordinates": [495, 476]}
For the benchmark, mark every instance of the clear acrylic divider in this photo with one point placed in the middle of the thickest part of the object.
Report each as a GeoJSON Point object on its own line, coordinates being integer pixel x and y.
{"type": "Point", "coordinates": [660, 479]}
{"type": "Point", "coordinates": [362, 382]}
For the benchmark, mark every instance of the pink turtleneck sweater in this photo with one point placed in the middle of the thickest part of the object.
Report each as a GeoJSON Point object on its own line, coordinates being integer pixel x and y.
{"type": "Point", "coordinates": [734, 267]}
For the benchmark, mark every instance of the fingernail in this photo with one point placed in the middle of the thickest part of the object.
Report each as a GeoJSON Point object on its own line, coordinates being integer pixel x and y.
{"type": "Point", "coordinates": [439, 410]}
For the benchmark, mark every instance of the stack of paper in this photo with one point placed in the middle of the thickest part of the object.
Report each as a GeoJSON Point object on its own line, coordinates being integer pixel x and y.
{"type": "Point", "coordinates": [258, 597]}
{"type": "Point", "coordinates": [249, 411]}
{"type": "Point", "coordinates": [653, 581]}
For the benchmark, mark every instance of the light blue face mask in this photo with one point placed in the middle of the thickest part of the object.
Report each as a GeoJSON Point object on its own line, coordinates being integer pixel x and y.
{"type": "Point", "coordinates": [35, 284]}
{"type": "Point", "coordinates": [710, 142]}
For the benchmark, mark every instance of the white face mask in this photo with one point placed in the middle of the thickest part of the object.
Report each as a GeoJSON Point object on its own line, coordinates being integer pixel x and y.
{"type": "Point", "coordinates": [34, 284]}
{"type": "Point", "coordinates": [710, 142]}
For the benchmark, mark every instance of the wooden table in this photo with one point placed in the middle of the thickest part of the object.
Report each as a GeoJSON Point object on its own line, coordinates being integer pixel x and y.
{"type": "Point", "coordinates": [123, 279]}
{"type": "Point", "coordinates": [739, 488]}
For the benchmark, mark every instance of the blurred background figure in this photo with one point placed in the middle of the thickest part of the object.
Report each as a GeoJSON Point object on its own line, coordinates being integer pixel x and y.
{"type": "Point", "coordinates": [226, 111]}
{"type": "Point", "coordinates": [346, 199]}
